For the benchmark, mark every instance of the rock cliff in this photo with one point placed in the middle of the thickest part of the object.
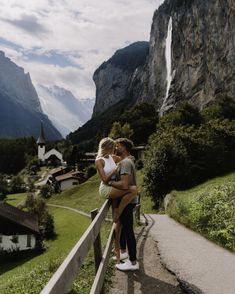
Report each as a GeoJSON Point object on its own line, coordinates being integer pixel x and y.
{"type": "Point", "coordinates": [113, 77]}
{"type": "Point", "coordinates": [191, 57]}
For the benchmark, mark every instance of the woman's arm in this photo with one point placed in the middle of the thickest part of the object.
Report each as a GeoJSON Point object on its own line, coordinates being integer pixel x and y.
{"type": "Point", "coordinates": [100, 168]}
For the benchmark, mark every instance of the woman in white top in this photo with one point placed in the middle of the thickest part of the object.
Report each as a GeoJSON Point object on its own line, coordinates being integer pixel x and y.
{"type": "Point", "coordinates": [107, 167]}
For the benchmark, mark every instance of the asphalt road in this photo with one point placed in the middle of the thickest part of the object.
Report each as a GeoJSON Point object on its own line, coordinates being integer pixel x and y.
{"type": "Point", "coordinates": [200, 265]}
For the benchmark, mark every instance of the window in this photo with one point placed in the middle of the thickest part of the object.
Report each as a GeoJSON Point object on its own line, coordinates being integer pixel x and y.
{"type": "Point", "coordinates": [75, 183]}
{"type": "Point", "coordinates": [15, 239]}
{"type": "Point", "coordinates": [29, 241]}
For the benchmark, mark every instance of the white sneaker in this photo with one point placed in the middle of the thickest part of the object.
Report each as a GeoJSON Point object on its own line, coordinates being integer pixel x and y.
{"type": "Point", "coordinates": [123, 256]}
{"type": "Point", "coordinates": [127, 266]}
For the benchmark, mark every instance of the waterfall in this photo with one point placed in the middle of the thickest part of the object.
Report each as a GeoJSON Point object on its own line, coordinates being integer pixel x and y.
{"type": "Point", "coordinates": [168, 63]}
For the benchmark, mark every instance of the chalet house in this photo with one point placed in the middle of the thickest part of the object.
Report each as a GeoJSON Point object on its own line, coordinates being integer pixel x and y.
{"type": "Point", "coordinates": [18, 229]}
{"type": "Point", "coordinates": [70, 179]}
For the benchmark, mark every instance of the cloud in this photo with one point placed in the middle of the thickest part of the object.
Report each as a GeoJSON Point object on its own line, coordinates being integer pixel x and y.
{"type": "Point", "coordinates": [29, 23]}
{"type": "Point", "coordinates": [63, 42]}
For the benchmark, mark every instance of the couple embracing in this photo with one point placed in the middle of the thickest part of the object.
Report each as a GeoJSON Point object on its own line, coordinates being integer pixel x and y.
{"type": "Point", "coordinates": [116, 169]}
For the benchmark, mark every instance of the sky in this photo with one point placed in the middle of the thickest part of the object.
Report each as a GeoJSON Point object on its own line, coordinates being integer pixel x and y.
{"type": "Point", "coordinates": [62, 42]}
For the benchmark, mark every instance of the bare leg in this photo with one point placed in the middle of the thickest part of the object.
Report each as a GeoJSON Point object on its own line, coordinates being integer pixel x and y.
{"type": "Point", "coordinates": [126, 195]}
{"type": "Point", "coordinates": [126, 199]}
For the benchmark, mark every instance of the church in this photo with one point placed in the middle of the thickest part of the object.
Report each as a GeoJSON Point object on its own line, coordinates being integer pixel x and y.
{"type": "Point", "coordinates": [42, 154]}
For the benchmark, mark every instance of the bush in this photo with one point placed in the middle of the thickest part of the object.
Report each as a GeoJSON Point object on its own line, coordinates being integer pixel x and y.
{"type": "Point", "coordinates": [211, 212]}
{"type": "Point", "coordinates": [90, 171]}
{"type": "Point", "coordinates": [46, 191]}
{"type": "Point", "coordinates": [184, 155]}
{"type": "Point", "coordinates": [139, 164]}
{"type": "Point", "coordinates": [37, 206]}
{"type": "Point", "coordinates": [17, 185]}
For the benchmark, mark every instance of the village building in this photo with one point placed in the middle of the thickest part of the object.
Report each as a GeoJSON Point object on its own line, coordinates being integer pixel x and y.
{"type": "Point", "coordinates": [70, 179]}
{"type": "Point", "coordinates": [42, 154]}
{"type": "Point", "coordinates": [18, 229]}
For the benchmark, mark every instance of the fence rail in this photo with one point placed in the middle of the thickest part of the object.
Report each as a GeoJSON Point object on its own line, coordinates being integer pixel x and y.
{"type": "Point", "coordinates": [63, 278]}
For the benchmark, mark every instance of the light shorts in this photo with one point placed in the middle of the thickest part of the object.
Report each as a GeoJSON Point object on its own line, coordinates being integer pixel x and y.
{"type": "Point", "coordinates": [104, 190]}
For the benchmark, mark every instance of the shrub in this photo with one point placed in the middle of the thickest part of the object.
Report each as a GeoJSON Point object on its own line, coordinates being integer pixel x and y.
{"type": "Point", "coordinates": [211, 212]}
{"type": "Point", "coordinates": [90, 171]}
{"type": "Point", "coordinates": [184, 155]}
{"type": "Point", "coordinates": [46, 191]}
{"type": "Point", "coordinates": [37, 206]}
{"type": "Point", "coordinates": [139, 164]}
{"type": "Point", "coordinates": [17, 185]}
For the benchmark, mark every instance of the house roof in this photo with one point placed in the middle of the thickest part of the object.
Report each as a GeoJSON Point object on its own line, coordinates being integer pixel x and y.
{"type": "Point", "coordinates": [19, 216]}
{"type": "Point", "coordinates": [41, 139]}
{"type": "Point", "coordinates": [57, 170]}
{"type": "Point", "coordinates": [66, 177]}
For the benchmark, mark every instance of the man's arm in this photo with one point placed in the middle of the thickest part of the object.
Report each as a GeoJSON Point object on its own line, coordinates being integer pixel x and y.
{"type": "Point", "coordinates": [123, 184]}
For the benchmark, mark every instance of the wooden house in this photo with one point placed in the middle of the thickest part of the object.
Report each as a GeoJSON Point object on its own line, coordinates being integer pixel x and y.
{"type": "Point", "coordinates": [18, 229]}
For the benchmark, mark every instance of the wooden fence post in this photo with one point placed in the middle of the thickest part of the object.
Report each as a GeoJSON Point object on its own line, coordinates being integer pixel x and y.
{"type": "Point", "coordinates": [97, 247]}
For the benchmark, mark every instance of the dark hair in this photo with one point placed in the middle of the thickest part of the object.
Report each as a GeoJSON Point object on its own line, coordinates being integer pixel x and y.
{"type": "Point", "coordinates": [128, 144]}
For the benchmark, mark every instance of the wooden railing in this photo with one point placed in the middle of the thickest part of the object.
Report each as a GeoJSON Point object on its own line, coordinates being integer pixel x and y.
{"type": "Point", "coordinates": [61, 282]}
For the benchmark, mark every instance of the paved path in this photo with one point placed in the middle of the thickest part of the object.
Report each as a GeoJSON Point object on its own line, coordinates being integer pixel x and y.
{"type": "Point", "coordinates": [152, 278]}
{"type": "Point", "coordinates": [200, 265]}
{"type": "Point", "coordinates": [70, 208]}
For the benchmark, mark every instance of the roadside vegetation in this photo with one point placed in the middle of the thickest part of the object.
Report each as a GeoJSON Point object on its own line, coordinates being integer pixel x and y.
{"type": "Point", "coordinates": [190, 147]}
{"type": "Point", "coordinates": [209, 209]}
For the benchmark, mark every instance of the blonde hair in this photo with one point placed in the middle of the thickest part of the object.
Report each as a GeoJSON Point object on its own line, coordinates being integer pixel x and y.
{"type": "Point", "coordinates": [105, 145]}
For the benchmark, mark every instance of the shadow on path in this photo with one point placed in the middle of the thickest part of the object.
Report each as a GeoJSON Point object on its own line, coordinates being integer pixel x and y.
{"type": "Point", "coordinates": [152, 277]}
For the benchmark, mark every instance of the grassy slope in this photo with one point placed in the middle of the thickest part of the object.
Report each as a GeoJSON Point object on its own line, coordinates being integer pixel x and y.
{"type": "Point", "coordinates": [17, 275]}
{"type": "Point", "coordinates": [86, 197]}
{"type": "Point", "coordinates": [15, 199]}
{"type": "Point", "coordinates": [205, 208]}
{"type": "Point", "coordinates": [69, 227]}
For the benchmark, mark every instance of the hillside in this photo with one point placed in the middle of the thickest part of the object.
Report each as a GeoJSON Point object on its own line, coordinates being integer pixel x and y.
{"type": "Point", "coordinates": [209, 209]}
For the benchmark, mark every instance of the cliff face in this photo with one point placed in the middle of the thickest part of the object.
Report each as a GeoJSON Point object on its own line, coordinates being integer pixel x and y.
{"type": "Point", "coordinates": [191, 57]}
{"type": "Point", "coordinates": [113, 78]}
{"type": "Point", "coordinates": [192, 52]}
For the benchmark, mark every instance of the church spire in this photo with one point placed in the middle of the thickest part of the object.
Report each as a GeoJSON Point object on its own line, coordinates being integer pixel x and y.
{"type": "Point", "coordinates": [41, 139]}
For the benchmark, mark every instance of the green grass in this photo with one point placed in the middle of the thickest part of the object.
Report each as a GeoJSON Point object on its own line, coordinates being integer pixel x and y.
{"type": "Point", "coordinates": [15, 199]}
{"type": "Point", "coordinates": [16, 277]}
{"type": "Point", "coordinates": [29, 275]}
{"type": "Point", "coordinates": [209, 209]}
{"type": "Point", "coordinates": [84, 197]}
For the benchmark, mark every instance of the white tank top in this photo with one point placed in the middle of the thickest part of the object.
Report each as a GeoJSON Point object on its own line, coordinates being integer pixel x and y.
{"type": "Point", "coordinates": [109, 164]}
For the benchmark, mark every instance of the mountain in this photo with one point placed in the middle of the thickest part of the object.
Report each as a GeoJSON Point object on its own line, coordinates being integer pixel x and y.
{"type": "Point", "coordinates": [20, 111]}
{"type": "Point", "coordinates": [190, 57]}
{"type": "Point", "coordinates": [191, 54]}
{"type": "Point", "coordinates": [66, 112]}
{"type": "Point", "coordinates": [113, 77]}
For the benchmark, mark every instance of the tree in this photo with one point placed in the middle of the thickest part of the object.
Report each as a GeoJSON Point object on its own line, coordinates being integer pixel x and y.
{"type": "Point", "coordinates": [3, 187]}
{"type": "Point", "coordinates": [119, 131]}
{"type": "Point", "coordinates": [17, 184]}
{"type": "Point", "coordinates": [46, 191]}
{"type": "Point", "coordinates": [37, 206]}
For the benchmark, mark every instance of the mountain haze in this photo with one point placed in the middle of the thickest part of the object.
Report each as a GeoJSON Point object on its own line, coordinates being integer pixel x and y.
{"type": "Point", "coordinates": [20, 111]}
{"type": "Point", "coordinates": [66, 112]}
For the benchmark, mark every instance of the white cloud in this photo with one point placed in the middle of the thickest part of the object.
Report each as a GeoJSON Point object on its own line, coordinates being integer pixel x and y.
{"type": "Point", "coordinates": [84, 32]}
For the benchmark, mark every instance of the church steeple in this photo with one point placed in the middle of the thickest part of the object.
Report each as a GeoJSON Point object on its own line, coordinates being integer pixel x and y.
{"type": "Point", "coordinates": [41, 139]}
